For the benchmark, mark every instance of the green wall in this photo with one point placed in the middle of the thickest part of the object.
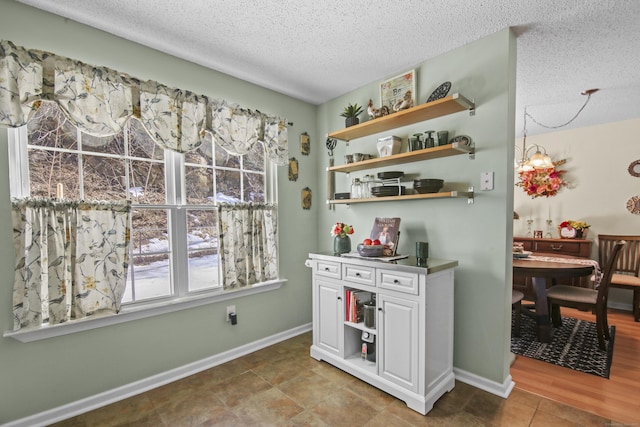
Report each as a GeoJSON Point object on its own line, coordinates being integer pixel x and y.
{"type": "Point", "coordinates": [49, 373]}
{"type": "Point", "coordinates": [41, 375]}
{"type": "Point", "coordinates": [476, 235]}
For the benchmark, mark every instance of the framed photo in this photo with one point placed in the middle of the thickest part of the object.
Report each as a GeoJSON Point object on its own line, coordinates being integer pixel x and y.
{"type": "Point", "coordinates": [393, 91]}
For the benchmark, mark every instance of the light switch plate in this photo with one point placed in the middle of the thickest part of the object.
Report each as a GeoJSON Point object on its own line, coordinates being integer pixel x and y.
{"type": "Point", "coordinates": [486, 181]}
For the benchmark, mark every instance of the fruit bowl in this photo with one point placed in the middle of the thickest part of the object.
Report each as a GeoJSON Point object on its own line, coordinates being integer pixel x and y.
{"type": "Point", "coordinates": [370, 250]}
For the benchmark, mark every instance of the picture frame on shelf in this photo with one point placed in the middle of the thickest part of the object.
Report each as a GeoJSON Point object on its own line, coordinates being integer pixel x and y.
{"type": "Point", "coordinates": [393, 90]}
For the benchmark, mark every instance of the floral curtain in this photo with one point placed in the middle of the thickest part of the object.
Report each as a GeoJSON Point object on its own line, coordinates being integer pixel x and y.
{"type": "Point", "coordinates": [100, 100]}
{"type": "Point", "coordinates": [71, 259]}
{"type": "Point", "coordinates": [248, 243]}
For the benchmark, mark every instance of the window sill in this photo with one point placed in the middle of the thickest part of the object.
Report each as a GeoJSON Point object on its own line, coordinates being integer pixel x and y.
{"type": "Point", "coordinates": [139, 311]}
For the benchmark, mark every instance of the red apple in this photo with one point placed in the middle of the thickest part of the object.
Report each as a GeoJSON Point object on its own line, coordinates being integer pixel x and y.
{"type": "Point", "coordinates": [367, 242]}
{"type": "Point", "coordinates": [376, 242]}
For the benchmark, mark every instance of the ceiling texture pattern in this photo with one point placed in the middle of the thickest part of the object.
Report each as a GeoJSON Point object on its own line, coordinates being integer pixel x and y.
{"type": "Point", "coordinates": [317, 50]}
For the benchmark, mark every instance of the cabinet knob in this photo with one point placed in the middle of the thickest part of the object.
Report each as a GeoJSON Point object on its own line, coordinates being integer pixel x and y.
{"type": "Point", "coordinates": [326, 269]}
{"type": "Point", "coordinates": [379, 308]}
{"type": "Point", "coordinates": [396, 281]}
{"type": "Point", "coordinates": [357, 274]}
{"type": "Point", "coordinates": [339, 298]}
{"type": "Point", "coordinates": [556, 248]}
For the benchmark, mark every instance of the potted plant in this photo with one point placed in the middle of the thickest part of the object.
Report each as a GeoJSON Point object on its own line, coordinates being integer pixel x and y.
{"type": "Point", "coordinates": [573, 229]}
{"type": "Point", "coordinates": [351, 113]}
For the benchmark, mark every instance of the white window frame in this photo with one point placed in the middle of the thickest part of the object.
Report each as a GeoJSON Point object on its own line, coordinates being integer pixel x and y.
{"type": "Point", "coordinates": [181, 297]}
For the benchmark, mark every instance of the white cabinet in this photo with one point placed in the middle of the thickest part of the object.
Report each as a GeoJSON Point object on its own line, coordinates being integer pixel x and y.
{"type": "Point", "coordinates": [410, 347]}
{"type": "Point", "coordinates": [327, 317]}
{"type": "Point", "coordinates": [398, 341]}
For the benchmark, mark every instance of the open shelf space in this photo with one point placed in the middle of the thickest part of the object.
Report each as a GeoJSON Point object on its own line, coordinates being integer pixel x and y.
{"type": "Point", "coordinates": [452, 149]}
{"type": "Point", "coordinates": [441, 107]}
{"type": "Point", "coordinates": [441, 195]}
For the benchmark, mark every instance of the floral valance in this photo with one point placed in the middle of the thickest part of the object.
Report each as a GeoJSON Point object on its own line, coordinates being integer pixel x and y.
{"type": "Point", "coordinates": [100, 100]}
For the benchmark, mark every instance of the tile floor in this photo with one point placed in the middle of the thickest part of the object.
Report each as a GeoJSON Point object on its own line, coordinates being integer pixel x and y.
{"type": "Point", "coordinates": [283, 386]}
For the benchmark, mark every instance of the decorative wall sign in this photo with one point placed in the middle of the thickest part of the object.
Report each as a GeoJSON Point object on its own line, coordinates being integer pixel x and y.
{"type": "Point", "coordinates": [293, 169]}
{"type": "Point", "coordinates": [634, 168]}
{"type": "Point", "coordinates": [306, 198]}
{"type": "Point", "coordinates": [633, 205]}
{"type": "Point", "coordinates": [440, 92]}
{"type": "Point", "coordinates": [305, 144]}
{"type": "Point", "coordinates": [393, 90]}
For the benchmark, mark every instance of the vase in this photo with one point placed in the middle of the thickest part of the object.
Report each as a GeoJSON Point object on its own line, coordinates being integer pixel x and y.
{"type": "Point", "coordinates": [341, 244]}
{"type": "Point", "coordinates": [351, 121]}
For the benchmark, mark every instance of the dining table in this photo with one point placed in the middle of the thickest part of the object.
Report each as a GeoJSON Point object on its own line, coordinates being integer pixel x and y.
{"type": "Point", "coordinates": [545, 270]}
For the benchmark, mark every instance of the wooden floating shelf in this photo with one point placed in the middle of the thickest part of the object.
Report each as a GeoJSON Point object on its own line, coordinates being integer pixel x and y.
{"type": "Point", "coordinates": [452, 149]}
{"type": "Point", "coordinates": [431, 110]}
{"type": "Point", "coordinates": [442, 195]}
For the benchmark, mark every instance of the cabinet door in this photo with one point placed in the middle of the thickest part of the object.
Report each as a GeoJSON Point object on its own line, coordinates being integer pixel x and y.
{"type": "Point", "coordinates": [327, 316]}
{"type": "Point", "coordinates": [398, 338]}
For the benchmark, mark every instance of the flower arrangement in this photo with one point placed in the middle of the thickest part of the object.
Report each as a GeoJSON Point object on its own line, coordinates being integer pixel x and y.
{"type": "Point", "coordinates": [341, 229]}
{"type": "Point", "coordinates": [542, 182]}
{"type": "Point", "coordinates": [578, 225]}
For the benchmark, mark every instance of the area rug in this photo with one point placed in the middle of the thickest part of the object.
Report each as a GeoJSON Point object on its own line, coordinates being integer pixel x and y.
{"type": "Point", "coordinates": [574, 345]}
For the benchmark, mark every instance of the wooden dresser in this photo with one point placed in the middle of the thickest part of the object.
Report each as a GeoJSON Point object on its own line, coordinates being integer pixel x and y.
{"type": "Point", "coordinates": [574, 247]}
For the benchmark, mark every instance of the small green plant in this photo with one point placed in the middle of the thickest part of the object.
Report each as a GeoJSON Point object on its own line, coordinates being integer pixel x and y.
{"type": "Point", "coordinates": [351, 110]}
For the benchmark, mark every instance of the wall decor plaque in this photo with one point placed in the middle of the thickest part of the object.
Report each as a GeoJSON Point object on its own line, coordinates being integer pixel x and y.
{"type": "Point", "coordinates": [306, 198]}
{"type": "Point", "coordinates": [633, 205]}
{"type": "Point", "coordinates": [634, 168]}
{"type": "Point", "coordinates": [293, 169]}
{"type": "Point", "coordinates": [305, 144]}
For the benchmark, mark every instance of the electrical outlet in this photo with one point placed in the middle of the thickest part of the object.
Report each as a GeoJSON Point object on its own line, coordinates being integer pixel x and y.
{"type": "Point", "coordinates": [486, 181]}
{"type": "Point", "coordinates": [230, 309]}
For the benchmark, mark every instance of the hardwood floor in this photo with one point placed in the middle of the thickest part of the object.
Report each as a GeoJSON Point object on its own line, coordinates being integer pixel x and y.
{"type": "Point", "coordinates": [616, 398]}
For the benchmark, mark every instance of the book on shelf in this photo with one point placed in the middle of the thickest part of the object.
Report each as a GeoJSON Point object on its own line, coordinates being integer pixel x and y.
{"type": "Point", "coordinates": [358, 298]}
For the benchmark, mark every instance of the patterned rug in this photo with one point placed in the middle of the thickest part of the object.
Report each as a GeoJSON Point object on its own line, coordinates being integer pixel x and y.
{"type": "Point", "coordinates": [574, 345]}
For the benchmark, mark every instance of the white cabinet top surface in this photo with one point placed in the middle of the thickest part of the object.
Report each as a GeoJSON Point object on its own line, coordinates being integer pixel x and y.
{"type": "Point", "coordinates": [407, 264]}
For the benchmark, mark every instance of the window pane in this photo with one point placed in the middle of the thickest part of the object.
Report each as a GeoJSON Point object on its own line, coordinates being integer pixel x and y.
{"type": "Point", "coordinates": [199, 184]}
{"type": "Point", "coordinates": [225, 159]}
{"type": "Point", "coordinates": [203, 155]}
{"type": "Point", "coordinates": [151, 250]}
{"type": "Point", "coordinates": [228, 186]}
{"type": "Point", "coordinates": [253, 187]}
{"type": "Point", "coordinates": [141, 144]}
{"type": "Point", "coordinates": [103, 178]}
{"type": "Point", "coordinates": [146, 182]}
{"type": "Point", "coordinates": [49, 127]}
{"type": "Point", "coordinates": [202, 235]}
{"type": "Point", "coordinates": [48, 168]}
{"type": "Point", "coordinates": [149, 234]}
{"type": "Point", "coordinates": [150, 278]}
{"type": "Point", "coordinates": [254, 160]}
{"type": "Point", "coordinates": [107, 145]}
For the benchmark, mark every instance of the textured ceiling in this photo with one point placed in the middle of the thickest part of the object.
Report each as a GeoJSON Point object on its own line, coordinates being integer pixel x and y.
{"type": "Point", "coordinates": [318, 50]}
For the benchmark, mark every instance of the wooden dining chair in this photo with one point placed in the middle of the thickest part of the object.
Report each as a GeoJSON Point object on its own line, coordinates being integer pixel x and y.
{"type": "Point", "coordinates": [587, 299]}
{"type": "Point", "coordinates": [626, 274]}
{"type": "Point", "coordinates": [516, 305]}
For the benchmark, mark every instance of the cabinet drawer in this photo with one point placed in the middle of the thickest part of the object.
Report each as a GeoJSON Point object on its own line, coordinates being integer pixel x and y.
{"type": "Point", "coordinates": [359, 274]}
{"type": "Point", "coordinates": [398, 281]}
{"type": "Point", "coordinates": [568, 248]}
{"type": "Point", "coordinates": [329, 269]}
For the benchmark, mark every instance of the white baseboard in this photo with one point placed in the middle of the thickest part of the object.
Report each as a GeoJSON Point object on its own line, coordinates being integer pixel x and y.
{"type": "Point", "coordinates": [114, 395]}
{"type": "Point", "coordinates": [503, 390]}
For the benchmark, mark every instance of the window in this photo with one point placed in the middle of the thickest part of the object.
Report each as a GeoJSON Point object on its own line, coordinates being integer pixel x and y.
{"type": "Point", "coordinates": [174, 237]}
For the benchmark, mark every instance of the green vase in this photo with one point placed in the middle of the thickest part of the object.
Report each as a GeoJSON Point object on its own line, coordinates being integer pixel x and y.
{"type": "Point", "coordinates": [341, 245]}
